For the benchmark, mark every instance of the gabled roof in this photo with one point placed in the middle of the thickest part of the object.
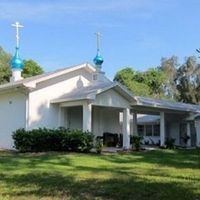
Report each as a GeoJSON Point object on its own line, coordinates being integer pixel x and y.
{"type": "Point", "coordinates": [30, 82]}
{"type": "Point", "coordinates": [164, 104]}
{"type": "Point", "coordinates": [90, 92]}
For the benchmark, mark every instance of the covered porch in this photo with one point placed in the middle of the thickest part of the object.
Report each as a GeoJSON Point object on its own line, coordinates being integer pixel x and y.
{"type": "Point", "coordinates": [95, 118]}
{"type": "Point", "coordinates": [97, 112]}
{"type": "Point", "coordinates": [111, 108]}
{"type": "Point", "coordinates": [174, 121]}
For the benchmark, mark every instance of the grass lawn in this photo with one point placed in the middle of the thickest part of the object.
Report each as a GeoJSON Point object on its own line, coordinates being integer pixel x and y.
{"type": "Point", "coordinates": [155, 175]}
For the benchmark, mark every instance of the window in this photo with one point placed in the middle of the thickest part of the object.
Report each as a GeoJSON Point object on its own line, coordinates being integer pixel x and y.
{"type": "Point", "coordinates": [149, 131]}
{"type": "Point", "coordinates": [156, 130]}
{"type": "Point", "coordinates": [140, 129]}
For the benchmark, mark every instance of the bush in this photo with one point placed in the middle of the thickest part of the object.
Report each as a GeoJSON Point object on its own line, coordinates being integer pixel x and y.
{"type": "Point", "coordinates": [170, 143]}
{"type": "Point", "coordinates": [61, 139]}
{"type": "Point", "coordinates": [99, 145]}
{"type": "Point", "coordinates": [136, 141]}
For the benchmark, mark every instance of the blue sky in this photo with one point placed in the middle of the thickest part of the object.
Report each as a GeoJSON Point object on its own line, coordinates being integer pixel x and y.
{"type": "Point", "coordinates": [135, 33]}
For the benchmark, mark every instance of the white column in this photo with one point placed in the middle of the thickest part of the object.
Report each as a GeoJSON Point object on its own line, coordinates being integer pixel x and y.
{"type": "Point", "coordinates": [162, 129]}
{"type": "Point", "coordinates": [87, 117]}
{"type": "Point", "coordinates": [101, 123]}
{"type": "Point", "coordinates": [66, 121]}
{"type": "Point", "coordinates": [188, 134]}
{"type": "Point", "coordinates": [135, 132]}
{"type": "Point", "coordinates": [126, 128]}
{"type": "Point", "coordinates": [197, 126]}
{"type": "Point", "coordinates": [61, 117]}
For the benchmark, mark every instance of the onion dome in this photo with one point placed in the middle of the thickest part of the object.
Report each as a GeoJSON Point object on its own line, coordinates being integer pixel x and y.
{"type": "Point", "coordinates": [98, 60]}
{"type": "Point", "coordinates": [17, 62]}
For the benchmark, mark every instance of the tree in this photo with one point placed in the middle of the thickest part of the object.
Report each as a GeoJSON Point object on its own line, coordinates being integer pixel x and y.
{"type": "Point", "coordinates": [188, 81]}
{"type": "Point", "coordinates": [148, 83]}
{"type": "Point", "coordinates": [4, 66]}
{"type": "Point", "coordinates": [126, 77]}
{"type": "Point", "coordinates": [183, 81]}
{"type": "Point", "coordinates": [154, 79]}
{"type": "Point", "coordinates": [170, 80]}
{"type": "Point", "coordinates": [169, 67]}
{"type": "Point", "coordinates": [31, 68]}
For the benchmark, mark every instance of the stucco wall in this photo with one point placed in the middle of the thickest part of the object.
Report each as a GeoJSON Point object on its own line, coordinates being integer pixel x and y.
{"type": "Point", "coordinates": [174, 132]}
{"type": "Point", "coordinates": [74, 117]}
{"type": "Point", "coordinates": [111, 98]}
{"type": "Point", "coordinates": [106, 112]}
{"type": "Point", "coordinates": [41, 112]}
{"type": "Point", "coordinates": [105, 120]}
{"type": "Point", "coordinates": [12, 116]}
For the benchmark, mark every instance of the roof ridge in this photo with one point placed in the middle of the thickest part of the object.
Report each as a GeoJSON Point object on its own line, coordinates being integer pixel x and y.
{"type": "Point", "coordinates": [43, 75]}
{"type": "Point", "coordinates": [168, 101]}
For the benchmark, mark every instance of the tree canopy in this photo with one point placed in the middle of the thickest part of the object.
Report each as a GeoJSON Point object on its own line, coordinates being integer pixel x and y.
{"type": "Point", "coordinates": [31, 68]}
{"type": "Point", "coordinates": [180, 82]}
{"type": "Point", "coordinates": [148, 83]}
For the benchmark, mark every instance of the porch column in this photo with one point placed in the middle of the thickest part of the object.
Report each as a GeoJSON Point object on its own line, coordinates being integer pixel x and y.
{"type": "Point", "coordinates": [135, 132]}
{"type": "Point", "coordinates": [126, 128]}
{"type": "Point", "coordinates": [87, 117]}
{"type": "Point", "coordinates": [162, 129]}
{"type": "Point", "coordinates": [188, 134]}
{"type": "Point", "coordinates": [61, 117]}
{"type": "Point", "coordinates": [197, 126]}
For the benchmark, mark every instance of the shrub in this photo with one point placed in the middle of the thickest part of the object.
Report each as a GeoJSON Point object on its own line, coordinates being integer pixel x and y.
{"type": "Point", "coordinates": [60, 139]}
{"type": "Point", "coordinates": [185, 139]}
{"type": "Point", "coordinates": [170, 143]}
{"type": "Point", "coordinates": [136, 141]}
{"type": "Point", "coordinates": [99, 145]}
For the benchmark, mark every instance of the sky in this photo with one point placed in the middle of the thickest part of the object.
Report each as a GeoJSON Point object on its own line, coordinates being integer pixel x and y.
{"type": "Point", "coordinates": [135, 33]}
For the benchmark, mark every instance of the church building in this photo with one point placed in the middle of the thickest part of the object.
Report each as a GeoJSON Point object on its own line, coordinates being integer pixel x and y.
{"type": "Point", "coordinates": [82, 97]}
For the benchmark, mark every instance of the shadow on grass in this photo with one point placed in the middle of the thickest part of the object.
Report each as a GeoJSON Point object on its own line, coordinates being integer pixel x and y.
{"type": "Point", "coordinates": [171, 158]}
{"type": "Point", "coordinates": [64, 187]}
{"type": "Point", "coordinates": [125, 182]}
{"type": "Point", "coordinates": [12, 161]}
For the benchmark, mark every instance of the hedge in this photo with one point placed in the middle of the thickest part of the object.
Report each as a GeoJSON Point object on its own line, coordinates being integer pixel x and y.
{"type": "Point", "coordinates": [61, 139]}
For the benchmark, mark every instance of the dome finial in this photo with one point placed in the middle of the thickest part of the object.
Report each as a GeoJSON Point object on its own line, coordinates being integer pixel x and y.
{"type": "Point", "coordinates": [16, 62]}
{"type": "Point", "coordinates": [98, 60]}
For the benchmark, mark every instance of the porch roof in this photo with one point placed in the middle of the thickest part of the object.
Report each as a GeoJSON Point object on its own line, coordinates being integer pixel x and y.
{"type": "Point", "coordinates": [145, 119]}
{"type": "Point", "coordinates": [91, 91]}
{"type": "Point", "coordinates": [165, 104]}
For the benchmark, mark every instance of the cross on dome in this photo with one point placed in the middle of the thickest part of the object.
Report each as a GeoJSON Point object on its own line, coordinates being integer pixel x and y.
{"type": "Point", "coordinates": [17, 25]}
{"type": "Point", "coordinates": [98, 35]}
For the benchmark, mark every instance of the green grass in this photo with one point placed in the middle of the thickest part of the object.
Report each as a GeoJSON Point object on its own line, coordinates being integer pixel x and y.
{"type": "Point", "coordinates": [155, 175]}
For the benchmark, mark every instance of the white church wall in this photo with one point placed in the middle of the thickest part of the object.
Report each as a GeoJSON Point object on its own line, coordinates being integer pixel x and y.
{"type": "Point", "coordinates": [75, 117]}
{"type": "Point", "coordinates": [12, 116]}
{"type": "Point", "coordinates": [41, 112]}
{"type": "Point", "coordinates": [112, 99]}
{"type": "Point", "coordinates": [105, 120]}
{"type": "Point", "coordinates": [174, 132]}
{"type": "Point", "coordinates": [111, 121]}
